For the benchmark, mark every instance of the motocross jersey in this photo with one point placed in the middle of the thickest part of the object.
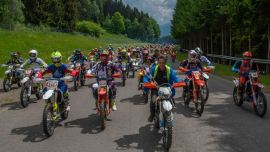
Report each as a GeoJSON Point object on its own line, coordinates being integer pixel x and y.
{"type": "Point", "coordinates": [34, 63]}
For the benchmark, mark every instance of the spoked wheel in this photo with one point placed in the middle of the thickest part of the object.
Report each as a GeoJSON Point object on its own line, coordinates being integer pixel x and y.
{"type": "Point", "coordinates": [82, 80]}
{"type": "Point", "coordinates": [49, 120]}
{"type": "Point", "coordinates": [261, 106]}
{"type": "Point", "coordinates": [199, 105]}
{"type": "Point", "coordinates": [24, 97]}
{"type": "Point", "coordinates": [76, 84]}
{"type": "Point", "coordinates": [236, 97]}
{"type": "Point", "coordinates": [167, 138]}
{"type": "Point", "coordinates": [205, 93]}
{"type": "Point", "coordinates": [186, 97]}
{"type": "Point", "coordinates": [156, 116]}
{"type": "Point", "coordinates": [7, 84]}
{"type": "Point", "coordinates": [102, 116]}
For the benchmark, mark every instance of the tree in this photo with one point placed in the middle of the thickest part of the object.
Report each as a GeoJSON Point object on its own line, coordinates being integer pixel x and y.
{"type": "Point", "coordinates": [11, 12]}
{"type": "Point", "coordinates": [118, 25]}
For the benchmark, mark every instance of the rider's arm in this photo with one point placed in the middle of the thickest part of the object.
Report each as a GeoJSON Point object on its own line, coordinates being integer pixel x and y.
{"type": "Point", "coordinates": [255, 67]}
{"type": "Point", "coordinates": [42, 62]}
{"type": "Point", "coordinates": [204, 59]}
{"type": "Point", "coordinates": [184, 63]}
{"type": "Point", "coordinates": [236, 66]}
{"type": "Point", "coordinates": [25, 63]}
{"type": "Point", "coordinates": [173, 77]}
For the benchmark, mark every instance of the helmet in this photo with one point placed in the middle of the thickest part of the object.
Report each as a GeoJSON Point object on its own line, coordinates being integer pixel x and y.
{"type": "Point", "coordinates": [56, 57]}
{"type": "Point", "coordinates": [33, 54]}
{"type": "Point", "coordinates": [192, 54]}
{"type": "Point", "coordinates": [104, 53]}
{"type": "Point", "coordinates": [123, 51]}
{"type": "Point", "coordinates": [77, 52]}
{"type": "Point", "coordinates": [247, 54]}
{"type": "Point", "coordinates": [198, 50]}
{"type": "Point", "coordinates": [145, 51]}
{"type": "Point", "coordinates": [14, 55]}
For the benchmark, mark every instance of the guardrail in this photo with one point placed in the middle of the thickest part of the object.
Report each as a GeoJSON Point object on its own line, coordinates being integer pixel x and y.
{"type": "Point", "coordinates": [264, 64]}
{"type": "Point", "coordinates": [261, 61]}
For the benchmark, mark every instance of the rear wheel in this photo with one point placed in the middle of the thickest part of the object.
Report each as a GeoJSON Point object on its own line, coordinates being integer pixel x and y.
{"type": "Point", "coordinates": [7, 84]}
{"type": "Point", "coordinates": [24, 96]}
{"type": "Point", "coordinates": [236, 97]}
{"type": "Point", "coordinates": [261, 106]}
{"type": "Point", "coordinates": [48, 120]}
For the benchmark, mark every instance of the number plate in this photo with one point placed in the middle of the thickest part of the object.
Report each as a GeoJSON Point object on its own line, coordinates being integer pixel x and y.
{"type": "Point", "coordinates": [254, 74]}
{"type": "Point", "coordinates": [52, 84]}
{"type": "Point", "coordinates": [196, 74]}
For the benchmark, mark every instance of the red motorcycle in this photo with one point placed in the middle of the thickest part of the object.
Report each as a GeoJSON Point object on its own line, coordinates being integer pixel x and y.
{"type": "Point", "coordinates": [79, 78]}
{"type": "Point", "coordinates": [173, 56]}
{"type": "Point", "coordinates": [196, 89]}
{"type": "Point", "coordinates": [103, 102]}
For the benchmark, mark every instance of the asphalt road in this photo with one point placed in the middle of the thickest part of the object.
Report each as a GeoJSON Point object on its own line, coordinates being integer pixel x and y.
{"type": "Point", "coordinates": [223, 127]}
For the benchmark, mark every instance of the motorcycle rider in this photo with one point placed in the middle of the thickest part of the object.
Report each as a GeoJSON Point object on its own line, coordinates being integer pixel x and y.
{"type": "Point", "coordinates": [243, 68]}
{"type": "Point", "coordinates": [106, 69]}
{"type": "Point", "coordinates": [161, 74]}
{"type": "Point", "coordinates": [34, 61]}
{"type": "Point", "coordinates": [59, 70]}
{"type": "Point", "coordinates": [201, 57]}
{"type": "Point", "coordinates": [15, 59]}
{"type": "Point", "coordinates": [192, 64]}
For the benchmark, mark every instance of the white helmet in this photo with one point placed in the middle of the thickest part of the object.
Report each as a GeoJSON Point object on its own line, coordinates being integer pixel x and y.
{"type": "Point", "coordinates": [33, 54]}
{"type": "Point", "coordinates": [192, 54]}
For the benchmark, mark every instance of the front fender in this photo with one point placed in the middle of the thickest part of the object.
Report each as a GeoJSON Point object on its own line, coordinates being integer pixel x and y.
{"type": "Point", "coordinates": [200, 82]}
{"type": "Point", "coordinates": [7, 72]}
{"type": "Point", "coordinates": [48, 94]}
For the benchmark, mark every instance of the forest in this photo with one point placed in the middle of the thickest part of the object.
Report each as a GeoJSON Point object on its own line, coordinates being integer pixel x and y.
{"type": "Point", "coordinates": [224, 27]}
{"type": "Point", "coordinates": [80, 15]}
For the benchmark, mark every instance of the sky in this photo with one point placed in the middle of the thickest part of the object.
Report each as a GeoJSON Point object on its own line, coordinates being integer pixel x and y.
{"type": "Point", "coordinates": [161, 10]}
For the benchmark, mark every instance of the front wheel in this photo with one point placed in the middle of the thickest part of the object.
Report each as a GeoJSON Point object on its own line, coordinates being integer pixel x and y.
{"type": "Point", "coordinates": [102, 116]}
{"type": "Point", "coordinates": [24, 97]}
{"type": "Point", "coordinates": [48, 120]}
{"type": "Point", "coordinates": [236, 97]}
{"type": "Point", "coordinates": [167, 138]}
{"type": "Point", "coordinates": [199, 105]}
{"type": "Point", "coordinates": [82, 80]}
{"type": "Point", "coordinates": [7, 84]}
{"type": "Point", "coordinates": [205, 93]}
{"type": "Point", "coordinates": [261, 106]}
{"type": "Point", "coordinates": [75, 83]}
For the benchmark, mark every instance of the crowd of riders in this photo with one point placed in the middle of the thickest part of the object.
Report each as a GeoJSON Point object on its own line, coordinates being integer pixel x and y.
{"type": "Point", "coordinates": [151, 63]}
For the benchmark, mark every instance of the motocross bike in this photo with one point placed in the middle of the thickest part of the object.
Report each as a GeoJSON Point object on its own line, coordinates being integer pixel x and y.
{"type": "Point", "coordinates": [196, 90]}
{"type": "Point", "coordinates": [29, 87]}
{"type": "Point", "coordinates": [12, 76]}
{"type": "Point", "coordinates": [173, 56]}
{"type": "Point", "coordinates": [252, 93]}
{"type": "Point", "coordinates": [135, 66]}
{"type": "Point", "coordinates": [79, 78]}
{"type": "Point", "coordinates": [103, 105]}
{"type": "Point", "coordinates": [56, 105]}
{"type": "Point", "coordinates": [161, 96]}
{"type": "Point", "coordinates": [125, 72]}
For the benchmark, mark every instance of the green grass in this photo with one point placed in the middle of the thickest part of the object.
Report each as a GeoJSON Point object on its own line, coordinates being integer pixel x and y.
{"type": "Point", "coordinates": [225, 71]}
{"type": "Point", "coordinates": [45, 42]}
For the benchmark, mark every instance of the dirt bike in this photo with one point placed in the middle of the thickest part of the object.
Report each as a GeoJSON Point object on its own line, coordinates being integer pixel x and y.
{"type": "Point", "coordinates": [135, 66]}
{"type": "Point", "coordinates": [252, 93]}
{"type": "Point", "coordinates": [56, 105]}
{"type": "Point", "coordinates": [173, 56]}
{"type": "Point", "coordinates": [125, 72]}
{"type": "Point", "coordinates": [103, 97]}
{"type": "Point", "coordinates": [29, 87]}
{"type": "Point", "coordinates": [12, 76]}
{"type": "Point", "coordinates": [161, 95]}
{"type": "Point", "coordinates": [196, 89]}
{"type": "Point", "coordinates": [79, 79]}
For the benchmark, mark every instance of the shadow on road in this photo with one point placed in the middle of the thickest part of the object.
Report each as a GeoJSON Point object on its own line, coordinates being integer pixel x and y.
{"type": "Point", "coordinates": [236, 128]}
{"type": "Point", "coordinates": [136, 100]}
{"type": "Point", "coordinates": [89, 125]}
{"type": "Point", "coordinates": [12, 105]}
{"type": "Point", "coordinates": [148, 140]}
{"type": "Point", "coordinates": [33, 133]}
{"type": "Point", "coordinates": [188, 112]}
